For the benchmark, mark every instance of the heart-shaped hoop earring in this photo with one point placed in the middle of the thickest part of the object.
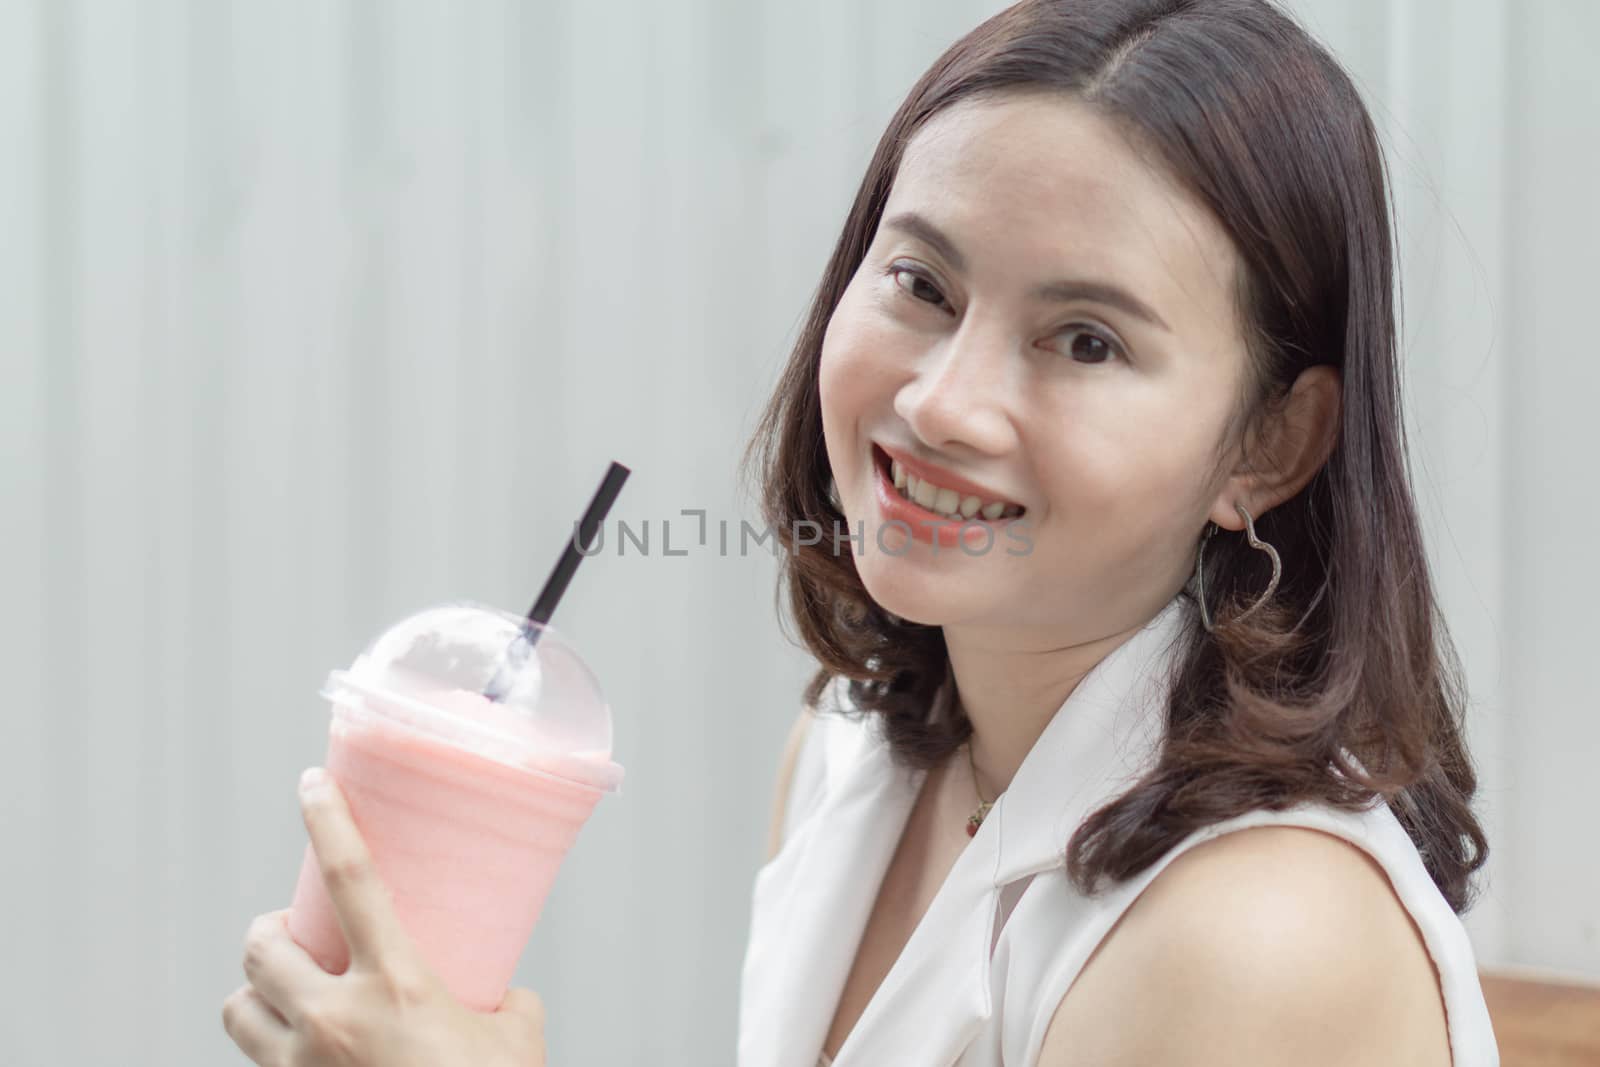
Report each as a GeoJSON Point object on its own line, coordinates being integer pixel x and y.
{"type": "Point", "coordinates": [1255, 542]}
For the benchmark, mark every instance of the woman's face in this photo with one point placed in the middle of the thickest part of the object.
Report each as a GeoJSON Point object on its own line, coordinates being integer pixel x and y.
{"type": "Point", "coordinates": [1045, 322]}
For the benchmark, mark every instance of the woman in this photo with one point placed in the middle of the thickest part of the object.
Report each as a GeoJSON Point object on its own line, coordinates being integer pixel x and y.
{"type": "Point", "coordinates": [1181, 781]}
{"type": "Point", "coordinates": [1153, 757]}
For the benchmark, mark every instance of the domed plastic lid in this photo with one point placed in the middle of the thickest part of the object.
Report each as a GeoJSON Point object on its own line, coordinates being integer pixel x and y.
{"type": "Point", "coordinates": [490, 681]}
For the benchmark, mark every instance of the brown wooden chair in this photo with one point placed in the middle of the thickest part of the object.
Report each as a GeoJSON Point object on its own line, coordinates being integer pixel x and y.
{"type": "Point", "coordinates": [1543, 1020]}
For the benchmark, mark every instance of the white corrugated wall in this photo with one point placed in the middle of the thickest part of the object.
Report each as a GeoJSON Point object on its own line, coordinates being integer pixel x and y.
{"type": "Point", "coordinates": [313, 314]}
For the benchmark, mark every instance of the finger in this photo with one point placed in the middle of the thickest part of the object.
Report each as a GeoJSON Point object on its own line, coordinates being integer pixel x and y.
{"type": "Point", "coordinates": [521, 1015]}
{"type": "Point", "coordinates": [360, 901]}
{"type": "Point", "coordinates": [259, 1031]}
{"type": "Point", "coordinates": [282, 972]}
{"type": "Point", "coordinates": [525, 1004]}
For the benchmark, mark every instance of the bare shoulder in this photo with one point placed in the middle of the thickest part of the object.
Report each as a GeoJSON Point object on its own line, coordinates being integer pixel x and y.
{"type": "Point", "coordinates": [1259, 946]}
{"type": "Point", "coordinates": [786, 763]}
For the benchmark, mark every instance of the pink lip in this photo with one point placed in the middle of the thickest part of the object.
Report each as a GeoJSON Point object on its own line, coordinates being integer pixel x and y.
{"type": "Point", "coordinates": [945, 479]}
{"type": "Point", "coordinates": [930, 527]}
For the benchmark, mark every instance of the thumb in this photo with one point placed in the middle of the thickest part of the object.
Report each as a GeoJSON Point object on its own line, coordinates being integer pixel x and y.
{"type": "Point", "coordinates": [525, 1005]}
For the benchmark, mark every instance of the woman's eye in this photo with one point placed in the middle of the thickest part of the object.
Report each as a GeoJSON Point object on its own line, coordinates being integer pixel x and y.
{"type": "Point", "coordinates": [1087, 346]}
{"type": "Point", "coordinates": [918, 287]}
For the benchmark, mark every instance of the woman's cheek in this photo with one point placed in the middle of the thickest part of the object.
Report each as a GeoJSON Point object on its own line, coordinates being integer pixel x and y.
{"type": "Point", "coordinates": [843, 398]}
{"type": "Point", "coordinates": [859, 364]}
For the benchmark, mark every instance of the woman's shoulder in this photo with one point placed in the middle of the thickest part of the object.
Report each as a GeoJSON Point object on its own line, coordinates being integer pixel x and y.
{"type": "Point", "coordinates": [817, 744]}
{"type": "Point", "coordinates": [1267, 934]}
{"type": "Point", "coordinates": [1279, 905]}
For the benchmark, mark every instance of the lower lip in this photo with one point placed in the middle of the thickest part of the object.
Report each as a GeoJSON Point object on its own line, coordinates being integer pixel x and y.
{"type": "Point", "coordinates": [930, 527]}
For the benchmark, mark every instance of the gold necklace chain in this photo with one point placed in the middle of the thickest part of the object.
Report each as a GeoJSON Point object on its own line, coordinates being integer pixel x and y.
{"type": "Point", "coordinates": [975, 820]}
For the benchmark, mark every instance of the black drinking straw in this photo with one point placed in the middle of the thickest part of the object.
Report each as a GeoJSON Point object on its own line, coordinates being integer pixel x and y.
{"type": "Point", "coordinates": [556, 584]}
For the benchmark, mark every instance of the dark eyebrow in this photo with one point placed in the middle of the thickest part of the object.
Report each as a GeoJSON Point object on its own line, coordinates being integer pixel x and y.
{"type": "Point", "coordinates": [918, 226]}
{"type": "Point", "coordinates": [909, 222]}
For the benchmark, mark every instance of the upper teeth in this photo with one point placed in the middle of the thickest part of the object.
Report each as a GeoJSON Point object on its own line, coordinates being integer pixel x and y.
{"type": "Point", "coordinates": [947, 502]}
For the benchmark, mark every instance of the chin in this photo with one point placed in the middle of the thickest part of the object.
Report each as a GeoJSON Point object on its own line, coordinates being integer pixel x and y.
{"type": "Point", "coordinates": [926, 599]}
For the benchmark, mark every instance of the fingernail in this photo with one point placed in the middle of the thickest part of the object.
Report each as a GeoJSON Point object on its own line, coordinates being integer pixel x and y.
{"type": "Point", "coordinates": [312, 780]}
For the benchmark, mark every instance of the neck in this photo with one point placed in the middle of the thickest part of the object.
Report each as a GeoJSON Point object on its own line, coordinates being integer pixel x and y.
{"type": "Point", "coordinates": [1011, 685]}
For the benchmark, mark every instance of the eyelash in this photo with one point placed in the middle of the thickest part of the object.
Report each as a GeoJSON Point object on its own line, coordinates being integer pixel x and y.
{"type": "Point", "coordinates": [897, 269]}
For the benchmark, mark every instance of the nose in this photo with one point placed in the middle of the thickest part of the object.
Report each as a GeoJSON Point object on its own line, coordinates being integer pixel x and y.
{"type": "Point", "coordinates": [962, 396]}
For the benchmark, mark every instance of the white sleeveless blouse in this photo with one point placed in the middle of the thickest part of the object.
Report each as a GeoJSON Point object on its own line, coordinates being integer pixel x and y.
{"type": "Point", "coordinates": [1006, 934]}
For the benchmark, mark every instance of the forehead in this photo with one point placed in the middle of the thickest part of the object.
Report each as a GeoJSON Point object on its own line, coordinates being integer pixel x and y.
{"type": "Point", "coordinates": [1040, 182]}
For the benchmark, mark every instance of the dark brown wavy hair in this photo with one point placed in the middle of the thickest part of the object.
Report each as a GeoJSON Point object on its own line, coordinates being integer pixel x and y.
{"type": "Point", "coordinates": [1350, 658]}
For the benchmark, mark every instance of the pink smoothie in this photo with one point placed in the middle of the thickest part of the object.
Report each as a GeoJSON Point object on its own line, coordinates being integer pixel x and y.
{"type": "Point", "coordinates": [466, 844]}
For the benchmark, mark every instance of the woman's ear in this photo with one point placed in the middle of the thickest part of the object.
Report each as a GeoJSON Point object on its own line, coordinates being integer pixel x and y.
{"type": "Point", "coordinates": [1295, 439]}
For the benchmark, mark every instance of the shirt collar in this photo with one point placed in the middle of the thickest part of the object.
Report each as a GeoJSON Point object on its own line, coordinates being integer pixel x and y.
{"type": "Point", "coordinates": [1104, 736]}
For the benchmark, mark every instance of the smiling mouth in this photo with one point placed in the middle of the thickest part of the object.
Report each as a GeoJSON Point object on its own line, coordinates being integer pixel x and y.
{"type": "Point", "coordinates": [938, 501]}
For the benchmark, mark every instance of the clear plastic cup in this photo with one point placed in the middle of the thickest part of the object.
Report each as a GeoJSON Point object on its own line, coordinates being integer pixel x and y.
{"type": "Point", "coordinates": [467, 804]}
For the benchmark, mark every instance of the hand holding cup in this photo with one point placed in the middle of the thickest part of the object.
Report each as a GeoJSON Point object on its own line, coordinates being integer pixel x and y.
{"type": "Point", "coordinates": [388, 1007]}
